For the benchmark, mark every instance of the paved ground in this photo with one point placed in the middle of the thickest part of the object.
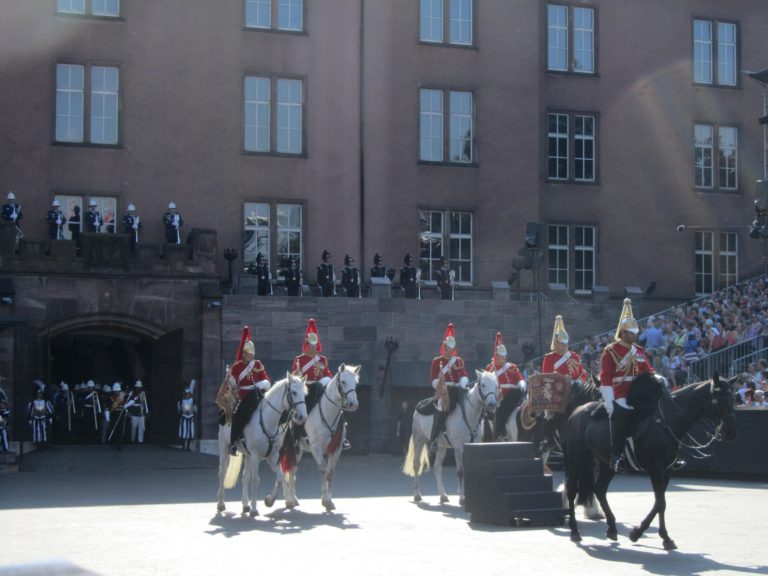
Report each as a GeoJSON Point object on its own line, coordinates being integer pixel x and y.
{"type": "Point", "coordinates": [151, 510]}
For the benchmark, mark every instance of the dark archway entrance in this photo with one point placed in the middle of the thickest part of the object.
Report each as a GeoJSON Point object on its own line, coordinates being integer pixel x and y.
{"type": "Point", "coordinates": [108, 349]}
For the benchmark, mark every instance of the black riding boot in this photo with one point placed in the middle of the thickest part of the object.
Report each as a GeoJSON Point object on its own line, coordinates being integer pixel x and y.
{"type": "Point", "coordinates": [438, 424]}
{"type": "Point", "coordinates": [241, 417]}
{"type": "Point", "coordinates": [619, 430]}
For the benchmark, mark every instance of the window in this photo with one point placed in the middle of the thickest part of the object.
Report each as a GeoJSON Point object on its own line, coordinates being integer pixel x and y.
{"type": "Point", "coordinates": [580, 165]}
{"type": "Point", "coordinates": [285, 15]}
{"type": "Point", "coordinates": [716, 258]}
{"type": "Point", "coordinates": [460, 25]}
{"type": "Point", "coordinates": [103, 105]}
{"type": "Point", "coordinates": [558, 255]}
{"type": "Point", "coordinates": [105, 8]}
{"type": "Point", "coordinates": [727, 157]}
{"type": "Point", "coordinates": [273, 115]}
{"type": "Point", "coordinates": [704, 276]}
{"type": "Point", "coordinates": [72, 206]}
{"type": "Point", "coordinates": [581, 251]}
{"type": "Point", "coordinates": [728, 273]}
{"type": "Point", "coordinates": [460, 143]}
{"type": "Point", "coordinates": [707, 60]}
{"type": "Point", "coordinates": [570, 39]}
{"type": "Point", "coordinates": [457, 236]}
{"type": "Point", "coordinates": [275, 230]}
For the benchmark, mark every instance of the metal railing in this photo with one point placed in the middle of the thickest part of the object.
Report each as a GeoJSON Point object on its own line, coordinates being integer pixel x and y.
{"type": "Point", "coordinates": [728, 361]}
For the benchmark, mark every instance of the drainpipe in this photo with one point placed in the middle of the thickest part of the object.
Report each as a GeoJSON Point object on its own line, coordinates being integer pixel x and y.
{"type": "Point", "coordinates": [361, 72]}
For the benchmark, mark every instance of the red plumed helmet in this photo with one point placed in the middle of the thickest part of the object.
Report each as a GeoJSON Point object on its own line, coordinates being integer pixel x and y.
{"type": "Point", "coordinates": [246, 337]}
{"type": "Point", "coordinates": [449, 341]}
{"type": "Point", "coordinates": [312, 337]}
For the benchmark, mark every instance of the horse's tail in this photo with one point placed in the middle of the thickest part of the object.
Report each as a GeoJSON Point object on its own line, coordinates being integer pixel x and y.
{"type": "Point", "coordinates": [288, 461]}
{"type": "Point", "coordinates": [233, 470]}
{"type": "Point", "coordinates": [415, 465]}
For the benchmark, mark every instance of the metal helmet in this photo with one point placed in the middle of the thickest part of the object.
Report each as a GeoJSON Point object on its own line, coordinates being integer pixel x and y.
{"type": "Point", "coordinates": [558, 333]}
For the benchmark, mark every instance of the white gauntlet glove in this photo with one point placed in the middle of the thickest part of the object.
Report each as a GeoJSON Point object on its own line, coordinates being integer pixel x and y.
{"type": "Point", "coordinates": [607, 393]}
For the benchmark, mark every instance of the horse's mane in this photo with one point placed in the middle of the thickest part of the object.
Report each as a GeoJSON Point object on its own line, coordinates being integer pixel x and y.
{"type": "Point", "coordinates": [644, 393]}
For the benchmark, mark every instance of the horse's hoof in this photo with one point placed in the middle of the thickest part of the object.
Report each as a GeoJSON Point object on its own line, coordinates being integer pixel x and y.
{"type": "Point", "coordinates": [612, 534]}
{"type": "Point", "coordinates": [444, 499]}
{"type": "Point", "coordinates": [634, 534]}
{"type": "Point", "coordinates": [246, 509]}
{"type": "Point", "coordinates": [269, 501]}
{"type": "Point", "coordinates": [417, 497]}
{"type": "Point", "coordinates": [330, 507]}
{"type": "Point", "coordinates": [254, 513]}
{"type": "Point", "coordinates": [575, 537]}
{"type": "Point", "coordinates": [461, 501]}
{"type": "Point", "coordinates": [221, 507]}
{"type": "Point", "coordinates": [670, 545]}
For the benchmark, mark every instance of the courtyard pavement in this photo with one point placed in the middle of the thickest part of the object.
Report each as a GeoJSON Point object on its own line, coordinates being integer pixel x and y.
{"type": "Point", "coordinates": [151, 510]}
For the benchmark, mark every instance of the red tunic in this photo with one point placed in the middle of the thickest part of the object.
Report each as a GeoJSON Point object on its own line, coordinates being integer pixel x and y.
{"type": "Point", "coordinates": [570, 367]}
{"type": "Point", "coordinates": [318, 369]}
{"type": "Point", "coordinates": [620, 364]}
{"type": "Point", "coordinates": [508, 377]}
{"type": "Point", "coordinates": [452, 375]}
{"type": "Point", "coordinates": [246, 378]}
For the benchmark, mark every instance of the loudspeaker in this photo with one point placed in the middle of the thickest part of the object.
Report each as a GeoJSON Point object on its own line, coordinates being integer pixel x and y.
{"type": "Point", "coordinates": [761, 194]}
{"type": "Point", "coordinates": [532, 231]}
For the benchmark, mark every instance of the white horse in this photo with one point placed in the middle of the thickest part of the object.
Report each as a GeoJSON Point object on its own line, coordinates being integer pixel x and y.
{"type": "Point", "coordinates": [463, 426]}
{"type": "Point", "coordinates": [262, 438]}
{"type": "Point", "coordinates": [325, 433]}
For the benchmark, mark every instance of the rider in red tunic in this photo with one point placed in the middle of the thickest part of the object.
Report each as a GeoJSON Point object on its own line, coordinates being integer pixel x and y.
{"type": "Point", "coordinates": [511, 384]}
{"type": "Point", "coordinates": [561, 360]}
{"type": "Point", "coordinates": [446, 373]}
{"type": "Point", "coordinates": [252, 381]}
{"type": "Point", "coordinates": [621, 362]}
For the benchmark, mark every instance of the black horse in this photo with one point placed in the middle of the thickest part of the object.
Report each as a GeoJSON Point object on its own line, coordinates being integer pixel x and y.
{"type": "Point", "coordinates": [656, 443]}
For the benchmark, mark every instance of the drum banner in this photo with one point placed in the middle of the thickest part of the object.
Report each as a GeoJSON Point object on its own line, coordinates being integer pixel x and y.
{"type": "Point", "coordinates": [549, 392]}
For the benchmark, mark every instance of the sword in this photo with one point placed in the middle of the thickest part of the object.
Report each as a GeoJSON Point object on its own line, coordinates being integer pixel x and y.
{"type": "Point", "coordinates": [418, 281]}
{"type": "Point", "coordinates": [451, 276]}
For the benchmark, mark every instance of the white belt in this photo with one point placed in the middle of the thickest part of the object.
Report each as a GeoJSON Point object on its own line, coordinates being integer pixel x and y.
{"type": "Point", "coordinates": [623, 379]}
{"type": "Point", "coordinates": [509, 385]}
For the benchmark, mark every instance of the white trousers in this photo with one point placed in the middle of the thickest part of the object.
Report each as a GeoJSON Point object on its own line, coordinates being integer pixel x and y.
{"type": "Point", "coordinates": [137, 429]}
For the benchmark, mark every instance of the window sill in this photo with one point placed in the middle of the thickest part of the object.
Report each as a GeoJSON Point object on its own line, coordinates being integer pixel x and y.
{"type": "Point", "coordinates": [57, 144]}
{"type": "Point", "coordinates": [571, 182]}
{"type": "Point", "coordinates": [275, 154]}
{"type": "Point", "coordinates": [276, 31]}
{"type": "Point", "coordinates": [472, 46]}
{"type": "Point", "coordinates": [74, 16]}
{"type": "Point", "coordinates": [728, 191]}
{"type": "Point", "coordinates": [451, 164]}
{"type": "Point", "coordinates": [573, 73]}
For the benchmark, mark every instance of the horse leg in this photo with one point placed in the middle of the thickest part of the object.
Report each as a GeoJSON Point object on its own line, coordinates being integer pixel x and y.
{"type": "Point", "coordinates": [661, 505]}
{"type": "Point", "coordinates": [223, 462]}
{"type": "Point", "coordinates": [571, 490]}
{"type": "Point", "coordinates": [254, 462]}
{"type": "Point", "coordinates": [328, 484]}
{"type": "Point", "coordinates": [274, 464]}
{"type": "Point", "coordinates": [441, 450]}
{"type": "Point", "coordinates": [246, 482]}
{"type": "Point", "coordinates": [601, 491]}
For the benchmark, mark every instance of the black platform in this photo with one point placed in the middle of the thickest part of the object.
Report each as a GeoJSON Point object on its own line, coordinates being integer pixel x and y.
{"type": "Point", "coordinates": [505, 484]}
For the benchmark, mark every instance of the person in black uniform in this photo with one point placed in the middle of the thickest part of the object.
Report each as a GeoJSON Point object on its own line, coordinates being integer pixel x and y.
{"type": "Point", "coordinates": [378, 270]}
{"type": "Point", "coordinates": [292, 278]}
{"type": "Point", "coordinates": [12, 213]}
{"type": "Point", "coordinates": [444, 277]}
{"type": "Point", "coordinates": [93, 221]}
{"type": "Point", "coordinates": [131, 226]}
{"type": "Point", "coordinates": [263, 277]}
{"type": "Point", "coordinates": [350, 278]}
{"type": "Point", "coordinates": [326, 277]}
{"type": "Point", "coordinates": [56, 221]}
{"type": "Point", "coordinates": [173, 222]}
{"type": "Point", "coordinates": [409, 278]}
{"type": "Point", "coordinates": [74, 226]}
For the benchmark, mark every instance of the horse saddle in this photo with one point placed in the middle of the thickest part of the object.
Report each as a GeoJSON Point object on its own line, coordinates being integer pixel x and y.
{"type": "Point", "coordinates": [427, 407]}
{"type": "Point", "coordinates": [637, 426]}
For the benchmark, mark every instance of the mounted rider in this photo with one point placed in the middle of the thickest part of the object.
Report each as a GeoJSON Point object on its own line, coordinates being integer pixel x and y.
{"type": "Point", "coordinates": [561, 360]}
{"type": "Point", "coordinates": [252, 381]}
{"type": "Point", "coordinates": [511, 384]}
{"type": "Point", "coordinates": [622, 360]}
{"type": "Point", "coordinates": [447, 375]}
{"type": "Point", "coordinates": [314, 367]}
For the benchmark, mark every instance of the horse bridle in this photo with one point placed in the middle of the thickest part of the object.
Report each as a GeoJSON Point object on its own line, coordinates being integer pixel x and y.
{"type": "Point", "coordinates": [342, 406]}
{"type": "Point", "coordinates": [696, 447]}
{"type": "Point", "coordinates": [484, 400]}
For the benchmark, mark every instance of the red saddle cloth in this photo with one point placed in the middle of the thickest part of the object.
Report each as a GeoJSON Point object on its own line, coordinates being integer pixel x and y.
{"type": "Point", "coordinates": [549, 392]}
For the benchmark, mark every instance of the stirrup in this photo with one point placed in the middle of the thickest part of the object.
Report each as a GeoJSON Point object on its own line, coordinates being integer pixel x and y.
{"type": "Point", "coordinates": [679, 465]}
{"type": "Point", "coordinates": [346, 445]}
{"type": "Point", "coordinates": [617, 463]}
{"type": "Point", "coordinates": [233, 449]}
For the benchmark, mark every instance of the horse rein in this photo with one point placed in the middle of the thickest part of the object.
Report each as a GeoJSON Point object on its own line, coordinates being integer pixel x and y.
{"type": "Point", "coordinates": [483, 398]}
{"type": "Point", "coordinates": [341, 405]}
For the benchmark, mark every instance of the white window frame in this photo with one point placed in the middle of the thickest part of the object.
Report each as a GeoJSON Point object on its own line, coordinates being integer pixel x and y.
{"type": "Point", "coordinates": [107, 8]}
{"type": "Point", "coordinates": [290, 15]}
{"type": "Point", "coordinates": [438, 239]}
{"type": "Point", "coordinates": [70, 104]}
{"type": "Point", "coordinates": [728, 260]}
{"type": "Point", "coordinates": [264, 221]}
{"type": "Point", "coordinates": [255, 12]}
{"type": "Point", "coordinates": [715, 52]}
{"type": "Point", "coordinates": [280, 15]}
{"type": "Point", "coordinates": [107, 207]}
{"type": "Point", "coordinates": [571, 34]}
{"type": "Point", "coordinates": [460, 23]}
{"type": "Point", "coordinates": [580, 285]}
{"type": "Point", "coordinates": [556, 274]}
{"type": "Point", "coordinates": [460, 241]}
{"type": "Point", "coordinates": [704, 253]}
{"type": "Point", "coordinates": [70, 6]}
{"type": "Point", "coordinates": [435, 241]}
{"type": "Point", "coordinates": [728, 157]}
{"type": "Point", "coordinates": [105, 96]}
{"type": "Point", "coordinates": [286, 116]}
{"type": "Point", "coordinates": [68, 203]}
{"type": "Point", "coordinates": [257, 223]}
{"type": "Point", "coordinates": [284, 231]}
{"type": "Point", "coordinates": [585, 140]}
{"type": "Point", "coordinates": [431, 108]}
{"type": "Point", "coordinates": [431, 14]}
{"type": "Point", "coordinates": [257, 135]}
{"type": "Point", "coordinates": [461, 126]}
{"type": "Point", "coordinates": [703, 154]}
{"type": "Point", "coordinates": [721, 161]}
{"type": "Point", "coordinates": [99, 8]}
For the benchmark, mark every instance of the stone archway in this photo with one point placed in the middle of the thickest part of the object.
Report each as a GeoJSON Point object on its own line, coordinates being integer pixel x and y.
{"type": "Point", "coordinates": [110, 348]}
